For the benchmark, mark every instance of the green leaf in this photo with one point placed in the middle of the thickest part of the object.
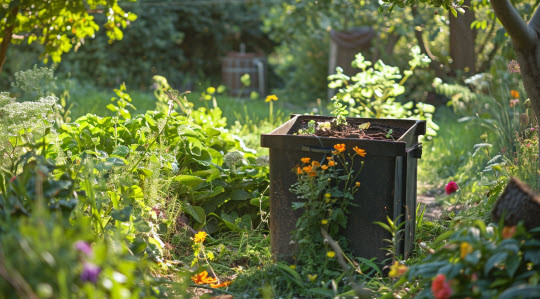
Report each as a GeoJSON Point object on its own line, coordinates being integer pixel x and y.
{"type": "Point", "coordinates": [196, 212]}
{"type": "Point", "coordinates": [240, 195]}
{"type": "Point", "coordinates": [493, 261]}
{"type": "Point", "coordinates": [188, 180]}
{"type": "Point", "coordinates": [123, 214]}
{"type": "Point", "coordinates": [120, 151]}
{"type": "Point", "coordinates": [112, 107]}
{"type": "Point", "coordinates": [453, 11]}
{"type": "Point", "coordinates": [290, 271]}
{"type": "Point", "coordinates": [521, 291]}
{"type": "Point", "coordinates": [512, 264]}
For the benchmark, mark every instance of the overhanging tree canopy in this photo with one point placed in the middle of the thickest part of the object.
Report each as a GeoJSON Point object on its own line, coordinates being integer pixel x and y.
{"type": "Point", "coordinates": [58, 25]}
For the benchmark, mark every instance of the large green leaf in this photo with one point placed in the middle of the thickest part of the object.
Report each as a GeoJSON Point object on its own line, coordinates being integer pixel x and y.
{"type": "Point", "coordinates": [188, 180]}
{"type": "Point", "coordinates": [240, 195]}
{"type": "Point", "coordinates": [196, 212]}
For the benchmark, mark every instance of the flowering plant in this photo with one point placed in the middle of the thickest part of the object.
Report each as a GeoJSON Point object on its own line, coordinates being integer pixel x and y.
{"type": "Point", "coordinates": [326, 192]}
{"type": "Point", "coordinates": [479, 262]}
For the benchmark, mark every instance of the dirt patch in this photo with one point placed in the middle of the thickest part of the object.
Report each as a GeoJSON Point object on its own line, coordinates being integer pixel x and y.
{"type": "Point", "coordinates": [353, 129]}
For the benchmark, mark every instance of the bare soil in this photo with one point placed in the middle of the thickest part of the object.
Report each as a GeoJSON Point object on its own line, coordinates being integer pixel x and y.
{"type": "Point", "coordinates": [352, 130]}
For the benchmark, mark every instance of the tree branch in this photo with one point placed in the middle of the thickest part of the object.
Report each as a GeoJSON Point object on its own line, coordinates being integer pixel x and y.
{"type": "Point", "coordinates": [522, 35]}
{"type": "Point", "coordinates": [534, 23]}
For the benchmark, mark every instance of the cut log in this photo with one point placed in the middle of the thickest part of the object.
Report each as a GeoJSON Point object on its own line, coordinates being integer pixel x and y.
{"type": "Point", "coordinates": [517, 203]}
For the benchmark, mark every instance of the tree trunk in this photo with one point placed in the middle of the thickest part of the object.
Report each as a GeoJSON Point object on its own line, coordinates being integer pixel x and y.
{"type": "Point", "coordinates": [517, 203]}
{"type": "Point", "coordinates": [526, 42]}
{"type": "Point", "coordinates": [6, 39]}
{"type": "Point", "coordinates": [462, 40]}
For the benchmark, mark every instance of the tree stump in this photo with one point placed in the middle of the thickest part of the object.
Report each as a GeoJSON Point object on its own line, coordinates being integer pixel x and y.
{"type": "Point", "coordinates": [517, 203]}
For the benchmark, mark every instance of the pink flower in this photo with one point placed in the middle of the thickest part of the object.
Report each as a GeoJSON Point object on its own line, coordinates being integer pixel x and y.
{"type": "Point", "coordinates": [83, 247]}
{"type": "Point", "coordinates": [513, 67]}
{"type": "Point", "coordinates": [451, 187]}
{"type": "Point", "coordinates": [440, 287]}
{"type": "Point", "coordinates": [12, 179]}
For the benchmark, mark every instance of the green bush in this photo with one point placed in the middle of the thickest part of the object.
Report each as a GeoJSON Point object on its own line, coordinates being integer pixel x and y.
{"type": "Point", "coordinates": [481, 262]}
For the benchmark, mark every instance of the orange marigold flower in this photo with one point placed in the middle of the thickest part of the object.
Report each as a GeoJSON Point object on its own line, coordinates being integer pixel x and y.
{"type": "Point", "coordinates": [307, 168]}
{"type": "Point", "coordinates": [299, 170]}
{"type": "Point", "coordinates": [203, 278]}
{"type": "Point", "coordinates": [339, 147]}
{"type": "Point", "coordinates": [199, 237]}
{"type": "Point", "coordinates": [331, 163]}
{"type": "Point", "coordinates": [359, 151]}
{"type": "Point", "coordinates": [325, 167]}
{"type": "Point", "coordinates": [508, 232]}
{"type": "Point", "coordinates": [305, 160]}
{"type": "Point", "coordinates": [315, 164]}
{"type": "Point", "coordinates": [221, 285]}
{"type": "Point", "coordinates": [357, 184]}
{"type": "Point", "coordinates": [514, 94]}
{"type": "Point", "coordinates": [312, 174]}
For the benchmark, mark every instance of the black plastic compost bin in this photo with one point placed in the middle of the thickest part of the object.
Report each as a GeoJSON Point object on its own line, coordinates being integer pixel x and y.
{"type": "Point", "coordinates": [388, 183]}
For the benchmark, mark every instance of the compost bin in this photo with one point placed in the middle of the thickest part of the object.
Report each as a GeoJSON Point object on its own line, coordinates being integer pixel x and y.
{"type": "Point", "coordinates": [388, 184]}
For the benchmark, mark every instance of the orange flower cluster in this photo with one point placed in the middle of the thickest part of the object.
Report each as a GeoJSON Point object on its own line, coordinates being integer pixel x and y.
{"type": "Point", "coordinates": [202, 278]}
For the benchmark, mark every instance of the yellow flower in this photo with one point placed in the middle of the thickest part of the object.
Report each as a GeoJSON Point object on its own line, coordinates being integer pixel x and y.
{"type": "Point", "coordinates": [330, 254]}
{"type": "Point", "coordinates": [315, 164]}
{"type": "Point", "coordinates": [324, 221]}
{"type": "Point", "coordinates": [312, 277]}
{"type": "Point", "coordinates": [359, 151]}
{"type": "Point", "coordinates": [514, 94]}
{"type": "Point", "coordinates": [328, 195]}
{"type": "Point", "coordinates": [199, 237]}
{"type": "Point", "coordinates": [325, 167]}
{"type": "Point", "coordinates": [293, 266]}
{"type": "Point", "coordinates": [305, 160]}
{"type": "Point", "coordinates": [397, 269]}
{"type": "Point", "coordinates": [270, 98]}
{"type": "Point", "coordinates": [357, 184]}
{"type": "Point", "coordinates": [340, 148]}
{"type": "Point", "coordinates": [464, 249]}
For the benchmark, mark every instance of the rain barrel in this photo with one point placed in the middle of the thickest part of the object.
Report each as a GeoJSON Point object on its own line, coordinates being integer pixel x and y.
{"type": "Point", "coordinates": [235, 65]}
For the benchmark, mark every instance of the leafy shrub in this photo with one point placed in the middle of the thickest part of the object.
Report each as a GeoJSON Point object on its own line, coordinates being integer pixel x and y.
{"type": "Point", "coordinates": [373, 91]}
{"type": "Point", "coordinates": [480, 261]}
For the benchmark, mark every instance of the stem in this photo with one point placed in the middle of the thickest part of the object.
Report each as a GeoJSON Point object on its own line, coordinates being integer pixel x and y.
{"type": "Point", "coordinates": [149, 146]}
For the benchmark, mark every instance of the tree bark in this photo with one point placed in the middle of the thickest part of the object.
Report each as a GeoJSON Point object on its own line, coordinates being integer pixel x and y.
{"type": "Point", "coordinates": [518, 203]}
{"type": "Point", "coordinates": [6, 39]}
{"type": "Point", "coordinates": [462, 40]}
{"type": "Point", "coordinates": [8, 35]}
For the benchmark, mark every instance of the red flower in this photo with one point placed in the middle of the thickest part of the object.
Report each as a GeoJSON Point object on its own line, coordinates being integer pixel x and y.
{"type": "Point", "coordinates": [451, 187]}
{"type": "Point", "coordinates": [441, 288]}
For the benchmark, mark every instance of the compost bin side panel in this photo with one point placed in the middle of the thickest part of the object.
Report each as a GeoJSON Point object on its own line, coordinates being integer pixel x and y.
{"type": "Point", "coordinates": [282, 216]}
{"type": "Point", "coordinates": [375, 200]}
